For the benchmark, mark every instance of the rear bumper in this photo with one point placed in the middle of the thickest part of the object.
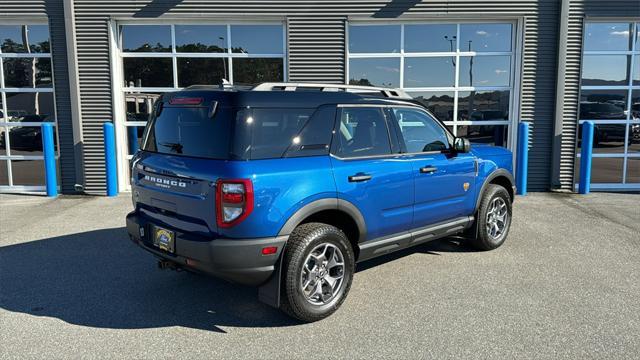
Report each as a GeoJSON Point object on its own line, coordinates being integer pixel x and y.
{"type": "Point", "coordinates": [237, 260]}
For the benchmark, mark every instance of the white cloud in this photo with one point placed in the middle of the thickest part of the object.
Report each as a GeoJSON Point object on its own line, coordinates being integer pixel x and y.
{"type": "Point", "coordinates": [500, 71]}
{"type": "Point", "coordinates": [482, 33]}
{"type": "Point", "coordinates": [624, 33]}
{"type": "Point", "coordinates": [387, 69]}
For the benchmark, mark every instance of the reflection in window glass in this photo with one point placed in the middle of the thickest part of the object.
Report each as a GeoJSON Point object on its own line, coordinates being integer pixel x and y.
{"type": "Point", "coordinates": [635, 105]}
{"type": "Point", "coordinates": [605, 70]}
{"type": "Point", "coordinates": [254, 70]}
{"type": "Point", "coordinates": [199, 71]}
{"type": "Point", "coordinates": [139, 106]}
{"type": "Point", "coordinates": [257, 39]}
{"type": "Point", "coordinates": [430, 38]}
{"type": "Point", "coordinates": [636, 70]}
{"type": "Point", "coordinates": [27, 172]}
{"type": "Point", "coordinates": [603, 104]}
{"type": "Point", "coordinates": [420, 132]}
{"type": "Point", "coordinates": [19, 38]}
{"type": "Point", "coordinates": [484, 134]}
{"type": "Point", "coordinates": [4, 174]}
{"type": "Point", "coordinates": [201, 38]}
{"type": "Point", "coordinates": [633, 170]}
{"type": "Point", "coordinates": [607, 138]}
{"type": "Point", "coordinates": [634, 138]}
{"type": "Point", "coordinates": [30, 107]}
{"type": "Point", "coordinates": [485, 37]}
{"type": "Point", "coordinates": [2, 119]}
{"type": "Point", "coordinates": [3, 140]}
{"type": "Point", "coordinates": [375, 72]}
{"type": "Point", "coordinates": [485, 71]}
{"type": "Point", "coordinates": [19, 72]}
{"type": "Point", "coordinates": [483, 105]}
{"type": "Point", "coordinates": [146, 38]}
{"type": "Point", "coordinates": [148, 72]}
{"type": "Point", "coordinates": [607, 36]}
{"type": "Point", "coordinates": [429, 72]}
{"type": "Point", "coordinates": [27, 140]}
{"type": "Point", "coordinates": [603, 170]}
{"type": "Point", "coordinates": [374, 39]}
{"type": "Point", "coordinates": [134, 138]}
{"type": "Point", "coordinates": [440, 104]}
{"type": "Point", "coordinates": [362, 132]}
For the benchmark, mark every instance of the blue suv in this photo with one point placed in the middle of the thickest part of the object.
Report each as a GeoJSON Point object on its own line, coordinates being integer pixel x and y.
{"type": "Point", "coordinates": [287, 187]}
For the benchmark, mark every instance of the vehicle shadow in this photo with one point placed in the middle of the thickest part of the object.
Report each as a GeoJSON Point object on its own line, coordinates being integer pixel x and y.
{"type": "Point", "coordinates": [101, 279]}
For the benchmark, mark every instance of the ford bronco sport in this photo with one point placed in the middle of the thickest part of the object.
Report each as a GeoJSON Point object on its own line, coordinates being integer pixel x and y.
{"type": "Point", "coordinates": [288, 186]}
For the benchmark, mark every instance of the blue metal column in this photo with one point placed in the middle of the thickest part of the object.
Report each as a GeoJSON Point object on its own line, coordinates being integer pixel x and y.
{"type": "Point", "coordinates": [132, 132]}
{"type": "Point", "coordinates": [110, 159]}
{"type": "Point", "coordinates": [48, 148]}
{"type": "Point", "coordinates": [522, 158]}
{"type": "Point", "coordinates": [585, 157]}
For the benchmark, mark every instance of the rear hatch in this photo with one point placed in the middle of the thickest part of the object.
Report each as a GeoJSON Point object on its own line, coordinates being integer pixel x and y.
{"type": "Point", "coordinates": [185, 150]}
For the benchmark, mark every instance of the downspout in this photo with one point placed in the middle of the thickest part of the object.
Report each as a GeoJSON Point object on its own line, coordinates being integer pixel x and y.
{"type": "Point", "coordinates": [563, 32]}
{"type": "Point", "coordinates": [74, 92]}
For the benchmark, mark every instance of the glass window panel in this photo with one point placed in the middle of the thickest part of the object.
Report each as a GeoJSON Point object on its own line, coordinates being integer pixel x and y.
{"type": "Point", "coordinates": [27, 140]}
{"type": "Point", "coordinates": [4, 173]}
{"type": "Point", "coordinates": [636, 69]}
{"type": "Point", "coordinates": [633, 170]}
{"type": "Point", "coordinates": [439, 104]}
{"type": "Point", "coordinates": [607, 138]}
{"type": "Point", "coordinates": [429, 72]}
{"type": "Point", "coordinates": [257, 39]}
{"type": "Point", "coordinates": [3, 140]}
{"type": "Point", "coordinates": [254, 71]}
{"type": "Point", "coordinates": [605, 70]}
{"type": "Point", "coordinates": [430, 38]}
{"type": "Point", "coordinates": [607, 36]}
{"type": "Point", "coordinates": [201, 38]}
{"type": "Point", "coordinates": [19, 38]}
{"type": "Point", "coordinates": [374, 39]}
{"type": "Point", "coordinates": [603, 170]}
{"type": "Point", "coordinates": [30, 107]}
{"type": "Point", "coordinates": [362, 132]}
{"type": "Point", "coordinates": [485, 37]}
{"type": "Point", "coordinates": [420, 132]}
{"type": "Point", "coordinates": [635, 105]}
{"type": "Point", "coordinates": [19, 72]}
{"type": "Point", "coordinates": [134, 138]}
{"type": "Point", "coordinates": [603, 104]}
{"type": "Point", "coordinates": [375, 72]}
{"type": "Point", "coordinates": [198, 71]}
{"type": "Point", "coordinates": [484, 134]}
{"type": "Point", "coordinates": [633, 145]}
{"type": "Point", "coordinates": [483, 105]}
{"type": "Point", "coordinates": [146, 38]}
{"type": "Point", "coordinates": [28, 172]}
{"type": "Point", "coordinates": [485, 71]}
{"type": "Point", "coordinates": [148, 72]}
{"type": "Point", "coordinates": [139, 105]}
{"type": "Point", "coordinates": [2, 119]}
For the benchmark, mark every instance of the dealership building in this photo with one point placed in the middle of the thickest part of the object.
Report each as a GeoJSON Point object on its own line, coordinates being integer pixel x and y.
{"type": "Point", "coordinates": [482, 67]}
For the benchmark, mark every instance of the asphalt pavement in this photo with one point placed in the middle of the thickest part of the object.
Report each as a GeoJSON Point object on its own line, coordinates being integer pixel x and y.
{"type": "Point", "coordinates": [566, 284]}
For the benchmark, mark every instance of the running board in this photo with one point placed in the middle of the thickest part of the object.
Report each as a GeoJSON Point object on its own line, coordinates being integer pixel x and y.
{"type": "Point", "coordinates": [378, 247]}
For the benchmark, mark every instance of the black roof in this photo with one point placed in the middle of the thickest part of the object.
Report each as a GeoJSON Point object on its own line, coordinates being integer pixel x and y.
{"type": "Point", "coordinates": [279, 98]}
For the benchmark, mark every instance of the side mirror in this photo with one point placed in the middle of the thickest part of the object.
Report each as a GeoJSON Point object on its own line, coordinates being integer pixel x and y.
{"type": "Point", "coordinates": [461, 145]}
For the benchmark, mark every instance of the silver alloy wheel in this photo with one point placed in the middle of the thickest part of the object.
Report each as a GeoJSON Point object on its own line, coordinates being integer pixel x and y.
{"type": "Point", "coordinates": [497, 218]}
{"type": "Point", "coordinates": [322, 274]}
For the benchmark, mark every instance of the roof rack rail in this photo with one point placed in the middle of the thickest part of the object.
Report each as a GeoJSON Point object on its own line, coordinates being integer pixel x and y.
{"type": "Point", "coordinates": [288, 86]}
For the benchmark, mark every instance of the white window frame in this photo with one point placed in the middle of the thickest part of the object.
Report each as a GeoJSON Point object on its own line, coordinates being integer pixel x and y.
{"type": "Point", "coordinates": [515, 67]}
{"type": "Point", "coordinates": [117, 72]}
{"type": "Point", "coordinates": [6, 125]}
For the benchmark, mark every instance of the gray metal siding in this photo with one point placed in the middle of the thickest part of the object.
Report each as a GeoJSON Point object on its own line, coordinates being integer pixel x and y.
{"type": "Point", "coordinates": [578, 10]}
{"type": "Point", "coordinates": [309, 62]}
{"type": "Point", "coordinates": [54, 11]}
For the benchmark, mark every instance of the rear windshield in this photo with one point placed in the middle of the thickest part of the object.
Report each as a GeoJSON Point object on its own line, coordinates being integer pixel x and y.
{"type": "Point", "coordinates": [241, 134]}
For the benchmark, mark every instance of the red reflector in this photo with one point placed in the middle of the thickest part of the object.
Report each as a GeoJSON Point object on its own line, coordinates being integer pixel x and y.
{"type": "Point", "coordinates": [269, 250]}
{"type": "Point", "coordinates": [185, 101]}
{"type": "Point", "coordinates": [232, 198]}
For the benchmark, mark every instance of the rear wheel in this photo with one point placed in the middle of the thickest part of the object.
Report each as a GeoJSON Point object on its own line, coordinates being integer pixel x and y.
{"type": "Point", "coordinates": [494, 218]}
{"type": "Point", "coordinates": [318, 270]}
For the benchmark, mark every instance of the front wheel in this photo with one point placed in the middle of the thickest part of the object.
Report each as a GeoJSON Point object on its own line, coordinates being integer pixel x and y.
{"type": "Point", "coordinates": [494, 218]}
{"type": "Point", "coordinates": [318, 268]}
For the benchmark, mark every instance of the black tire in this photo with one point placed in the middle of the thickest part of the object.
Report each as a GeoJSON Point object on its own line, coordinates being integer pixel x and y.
{"type": "Point", "coordinates": [483, 238]}
{"type": "Point", "coordinates": [303, 240]}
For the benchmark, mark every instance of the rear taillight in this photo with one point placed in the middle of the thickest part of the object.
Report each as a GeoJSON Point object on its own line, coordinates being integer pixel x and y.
{"type": "Point", "coordinates": [234, 201]}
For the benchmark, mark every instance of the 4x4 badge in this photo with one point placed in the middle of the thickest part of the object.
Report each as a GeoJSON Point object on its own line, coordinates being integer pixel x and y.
{"type": "Point", "coordinates": [465, 186]}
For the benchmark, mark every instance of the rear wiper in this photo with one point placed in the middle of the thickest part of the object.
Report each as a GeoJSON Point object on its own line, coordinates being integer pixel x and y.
{"type": "Point", "coordinates": [175, 147]}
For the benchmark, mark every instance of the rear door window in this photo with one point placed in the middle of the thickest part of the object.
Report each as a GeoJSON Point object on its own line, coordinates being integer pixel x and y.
{"type": "Point", "coordinates": [362, 131]}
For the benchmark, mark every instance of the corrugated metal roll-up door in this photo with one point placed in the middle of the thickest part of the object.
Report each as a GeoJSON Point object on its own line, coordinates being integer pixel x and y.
{"type": "Point", "coordinates": [316, 48]}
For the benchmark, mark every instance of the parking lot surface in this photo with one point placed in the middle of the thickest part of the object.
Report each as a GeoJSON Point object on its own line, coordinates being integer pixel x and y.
{"type": "Point", "coordinates": [566, 284]}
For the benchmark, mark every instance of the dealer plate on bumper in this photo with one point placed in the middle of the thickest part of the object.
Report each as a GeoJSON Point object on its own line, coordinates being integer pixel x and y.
{"type": "Point", "coordinates": [164, 239]}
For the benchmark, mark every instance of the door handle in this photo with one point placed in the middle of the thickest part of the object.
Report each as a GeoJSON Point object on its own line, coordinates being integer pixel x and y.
{"type": "Point", "coordinates": [428, 169]}
{"type": "Point", "coordinates": [359, 177]}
